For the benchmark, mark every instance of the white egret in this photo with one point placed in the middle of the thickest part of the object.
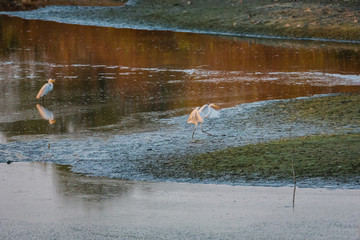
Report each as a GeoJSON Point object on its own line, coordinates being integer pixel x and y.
{"type": "Point", "coordinates": [48, 87]}
{"type": "Point", "coordinates": [46, 114]}
{"type": "Point", "coordinates": [198, 115]}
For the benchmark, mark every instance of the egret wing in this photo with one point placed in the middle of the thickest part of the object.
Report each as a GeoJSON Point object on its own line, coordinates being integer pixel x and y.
{"type": "Point", "coordinates": [196, 116]}
{"type": "Point", "coordinates": [44, 90]}
{"type": "Point", "coordinates": [204, 109]}
{"type": "Point", "coordinates": [213, 113]}
{"type": "Point", "coordinates": [210, 112]}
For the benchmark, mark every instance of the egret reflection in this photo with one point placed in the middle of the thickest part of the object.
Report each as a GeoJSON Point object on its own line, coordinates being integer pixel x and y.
{"type": "Point", "coordinates": [46, 114]}
{"type": "Point", "coordinates": [198, 115]}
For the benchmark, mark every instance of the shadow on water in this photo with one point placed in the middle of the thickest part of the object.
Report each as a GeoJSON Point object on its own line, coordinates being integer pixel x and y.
{"type": "Point", "coordinates": [109, 78]}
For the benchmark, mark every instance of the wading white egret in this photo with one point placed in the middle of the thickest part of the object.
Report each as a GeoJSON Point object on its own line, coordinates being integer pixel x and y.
{"type": "Point", "coordinates": [198, 115]}
{"type": "Point", "coordinates": [46, 114]}
{"type": "Point", "coordinates": [48, 87]}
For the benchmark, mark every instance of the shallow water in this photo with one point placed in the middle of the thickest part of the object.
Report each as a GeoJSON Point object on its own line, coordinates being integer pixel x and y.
{"type": "Point", "coordinates": [121, 96]}
{"type": "Point", "coordinates": [56, 203]}
{"type": "Point", "coordinates": [120, 78]}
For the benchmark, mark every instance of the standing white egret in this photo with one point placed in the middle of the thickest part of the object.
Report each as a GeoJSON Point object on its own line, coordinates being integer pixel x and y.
{"type": "Point", "coordinates": [48, 87]}
{"type": "Point", "coordinates": [198, 115]}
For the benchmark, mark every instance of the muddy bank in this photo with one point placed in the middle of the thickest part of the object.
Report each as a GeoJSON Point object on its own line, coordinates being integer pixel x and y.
{"type": "Point", "coordinates": [167, 153]}
{"type": "Point", "coordinates": [326, 20]}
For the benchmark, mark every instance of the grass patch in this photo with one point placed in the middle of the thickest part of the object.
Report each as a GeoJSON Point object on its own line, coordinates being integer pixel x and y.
{"type": "Point", "coordinates": [337, 111]}
{"type": "Point", "coordinates": [316, 156]}
{"type": "Point", "coordinates": [342, 109]}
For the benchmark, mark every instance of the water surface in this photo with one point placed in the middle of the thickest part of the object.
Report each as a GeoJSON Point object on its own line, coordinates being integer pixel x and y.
{"type": "Point", "coordinates": [55, 202]}
{"type": "Point", "coordinates": [123, 79]}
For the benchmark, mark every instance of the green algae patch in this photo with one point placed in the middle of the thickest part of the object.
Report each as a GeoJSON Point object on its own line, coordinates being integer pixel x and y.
{"type": "Point", "coordinates": [342, 110]}
{"type": "Point", "coordinates": [325, 157]}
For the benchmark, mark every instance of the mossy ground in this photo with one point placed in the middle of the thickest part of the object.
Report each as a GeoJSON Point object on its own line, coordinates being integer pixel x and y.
{"type": "Point", "coordinates": [340, 111]}
{"type": "Point", "coordinates": [313, 157]}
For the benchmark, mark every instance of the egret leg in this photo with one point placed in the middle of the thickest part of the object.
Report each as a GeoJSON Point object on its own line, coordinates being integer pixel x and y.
{"type": "Point", "coordinates": [194, 131]}
{"type": "Point", "coordinates": [204, 131]}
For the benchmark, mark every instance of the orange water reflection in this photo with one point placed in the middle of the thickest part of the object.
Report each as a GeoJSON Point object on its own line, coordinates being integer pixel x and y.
{"type": "Point", "coordinates": [105, 74]}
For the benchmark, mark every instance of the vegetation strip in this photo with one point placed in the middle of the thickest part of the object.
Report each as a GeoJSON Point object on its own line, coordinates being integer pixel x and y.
{"type": "Point", "coordinates": [315, 156]}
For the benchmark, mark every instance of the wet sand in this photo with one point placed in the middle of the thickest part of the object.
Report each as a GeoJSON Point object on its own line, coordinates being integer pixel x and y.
{"type": "Point", "coordinates": [46, 201]}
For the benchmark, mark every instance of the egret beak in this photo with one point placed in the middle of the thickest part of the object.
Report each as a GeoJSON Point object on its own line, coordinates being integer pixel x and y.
{"type": "Point", "coordinates": [52, 81]}
{"type": "Point", "coordinates": [215, 106]}
{"type": "Point", "coordinates": [52, 121]}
